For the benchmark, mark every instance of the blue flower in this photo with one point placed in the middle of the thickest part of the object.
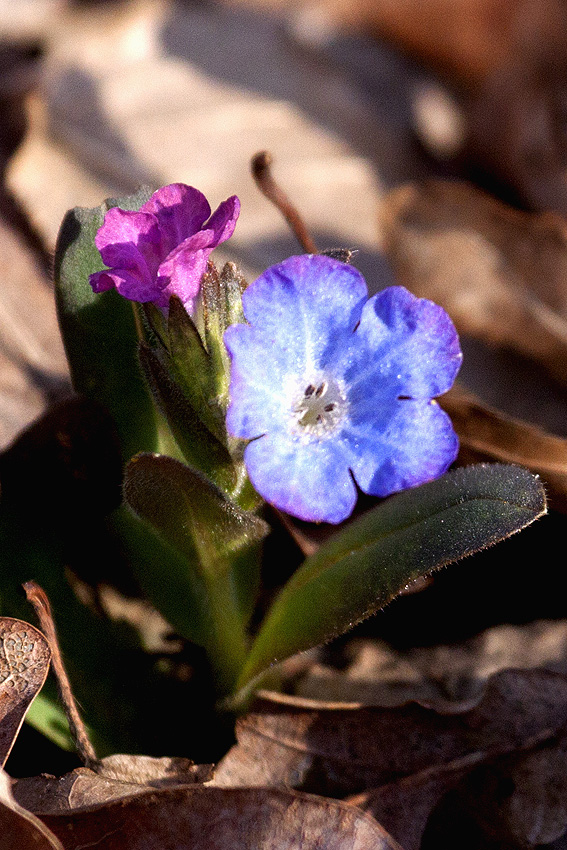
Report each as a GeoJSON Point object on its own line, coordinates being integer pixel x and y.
{"type": "Point", "coordinates": [329, 384]}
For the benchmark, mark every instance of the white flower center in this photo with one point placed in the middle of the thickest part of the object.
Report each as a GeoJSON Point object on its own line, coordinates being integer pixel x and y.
{"type": "Point", "coordinates": [320, 408]}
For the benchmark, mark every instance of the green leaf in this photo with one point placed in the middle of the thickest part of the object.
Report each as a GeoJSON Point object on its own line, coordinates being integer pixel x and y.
{"type": "Point", "coordinates": [99, 331]}
{"type": "Point", "coordinates": [371, 560]}
{"type": "Point", "coordinates": [187, 511]}
{"type": "Point", "coordinates": [200, 448]}
{"type": "Point", "coordinates": [47, 716]}
{"type": "Point", "coordinates": [172, 585]}
{"type": "Point", "coordinates": [218, 544]}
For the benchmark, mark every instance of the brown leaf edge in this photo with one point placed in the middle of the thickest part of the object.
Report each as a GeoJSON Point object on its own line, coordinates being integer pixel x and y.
{"type": "Point", "coordinates": [217, 818]}
{"type": "Point", "coordinates": [19, 829]}
{"type": "Point", "coordinates": [24, 664]}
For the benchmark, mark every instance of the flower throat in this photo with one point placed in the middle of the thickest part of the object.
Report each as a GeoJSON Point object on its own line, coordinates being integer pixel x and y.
{"type": "Point", "coordinates": [320, 407]}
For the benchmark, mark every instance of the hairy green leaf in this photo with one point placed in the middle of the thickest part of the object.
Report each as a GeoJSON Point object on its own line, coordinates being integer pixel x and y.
{"type": "Point", "coordinates": [409, 535]}
{"type": "Point", "coordinates": [216, 544]}
{"type": "Point", "coordinates": [187, 511]}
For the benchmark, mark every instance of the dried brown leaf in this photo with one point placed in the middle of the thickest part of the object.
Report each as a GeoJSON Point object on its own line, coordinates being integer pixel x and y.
{"type": "Point", "coordinates": [20, 830]}
{"type": "Point", "coordinates": [507, 60]}
{"type": "Point", "coordinates": [117, 776]}
{"type": "Point", "coordinates": [499, 273]}
{"type": "Point", "coordinates": [154, 772]}
{"type": "Point", "coordinates": [346, 750]}
{"type": "Point", "coordinates": [488, 434]}
{"type": "Point", "coordinates": [516, 123]}
{"type": "Point", "coordinates": [466, 40]}
{"type": "Point", "coordinates": [204, 818]}
{"type": "Point", "coordinates": [521, 800]}
{"type": "Point", "coordinates": [404, 807]}
{"type": "Point", "coordinates": [32, 361]}
{"type": "Point", "coordinates": [371, 672]}
{"type": "Point", "coordinates": [24, 662]}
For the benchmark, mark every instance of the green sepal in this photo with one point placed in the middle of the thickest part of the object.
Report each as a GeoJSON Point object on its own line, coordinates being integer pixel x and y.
{"type": "Point", "coordinates": [213, 304]}
{"type": "Point", "coordinates": [233, 284]}
{"type": "Point", "coordinates": [364, 566]}
{"type": "Point", "coordinates": [192, 368]}
{"type": "Point", "coordinates": [99, 330]}
{"type": "Point", "coordinates": [200, 448]}
{"type": "Point", "coordinates": [219, 305]}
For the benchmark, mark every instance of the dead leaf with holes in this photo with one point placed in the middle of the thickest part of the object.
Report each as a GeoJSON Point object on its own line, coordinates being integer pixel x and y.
{"type": "Point", "coordinates": [24, 662]}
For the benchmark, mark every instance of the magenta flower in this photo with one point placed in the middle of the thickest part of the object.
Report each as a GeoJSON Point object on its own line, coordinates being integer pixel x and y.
{"type": "Point", "coordinates": [162, 249]}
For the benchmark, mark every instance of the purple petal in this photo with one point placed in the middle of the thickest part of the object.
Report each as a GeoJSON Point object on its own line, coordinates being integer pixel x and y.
{"type": "Point", "coordinates": [181, 273]}
{"type": "Point", "coordinates": [414, 444]}
{"type": "Point", "coordinates": [183, 278]}
{"type": "Point", "coordinates": [180, 211]}
{"type": "Point", "coordinates": [127, 283]}
{"type": "Point", "coordinates": [223, 220]}
{"type": "Point", "coordinates": [101, 282]}
{"type": "Point", "coordinates": [307, 479]}
{"type": "Point", "coordinates": [129, 240]}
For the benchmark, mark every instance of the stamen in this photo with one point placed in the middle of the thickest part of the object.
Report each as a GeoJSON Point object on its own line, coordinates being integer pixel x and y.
{"type": "Point", "coordinates": [320, 408]}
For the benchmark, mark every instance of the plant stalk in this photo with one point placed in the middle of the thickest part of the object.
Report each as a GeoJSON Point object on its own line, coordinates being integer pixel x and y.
{"type": "Point", "coordinates": [227, 648]}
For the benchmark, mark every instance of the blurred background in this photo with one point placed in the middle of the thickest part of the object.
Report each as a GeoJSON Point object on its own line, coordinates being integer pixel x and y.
{"type": "Point", "coordinates": [429, 136]}
{"type": "Point", "coordinates": [352, 99]}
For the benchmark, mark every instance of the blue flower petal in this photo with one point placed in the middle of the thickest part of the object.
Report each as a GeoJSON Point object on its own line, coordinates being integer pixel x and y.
{"type": "Point", "coordinates": [406, 342]}
{"type": "Point", "coordinates": [308, 479]}
{"type": "Point", "coordinates": [307, 306]}
{"type": "Point", "coordinates": [257, 375]}
{"type": "Point", "coordinates": [416, 445]}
